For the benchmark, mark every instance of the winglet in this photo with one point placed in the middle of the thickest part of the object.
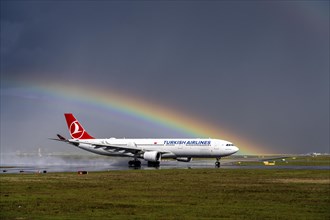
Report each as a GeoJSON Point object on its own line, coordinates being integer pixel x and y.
{"type": "Point", "coordinates": [75, 128]}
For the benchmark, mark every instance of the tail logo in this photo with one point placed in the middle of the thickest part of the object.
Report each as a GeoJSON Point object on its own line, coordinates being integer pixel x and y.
{"type": "Point", "coordinates": [76, 130]}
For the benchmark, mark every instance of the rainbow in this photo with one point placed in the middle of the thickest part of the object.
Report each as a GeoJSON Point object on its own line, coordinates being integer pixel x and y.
{"type": "Point", "coordinates": [134, 106]}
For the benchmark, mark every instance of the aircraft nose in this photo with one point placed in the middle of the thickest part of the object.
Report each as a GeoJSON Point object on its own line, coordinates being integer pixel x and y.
{"type": "Point", "coordinates": [235, 149]}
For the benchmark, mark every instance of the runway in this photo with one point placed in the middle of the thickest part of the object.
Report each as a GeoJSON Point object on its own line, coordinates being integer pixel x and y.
{"type": "Point", "coordinates": [69, 164]}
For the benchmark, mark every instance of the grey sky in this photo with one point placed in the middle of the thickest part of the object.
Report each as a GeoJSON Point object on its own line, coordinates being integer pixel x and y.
{"type": "Point", "coordinates": [258, 69]}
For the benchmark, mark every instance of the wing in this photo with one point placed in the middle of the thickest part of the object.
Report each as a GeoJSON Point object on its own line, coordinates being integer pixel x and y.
{"type": "Point", "coordinates": [116, 148]}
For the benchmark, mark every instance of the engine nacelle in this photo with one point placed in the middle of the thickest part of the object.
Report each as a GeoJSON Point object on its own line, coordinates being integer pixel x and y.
{"type": "Point", "coordinates": [184, 159]}
{"type": "Point", "coordinates": [152, 156]}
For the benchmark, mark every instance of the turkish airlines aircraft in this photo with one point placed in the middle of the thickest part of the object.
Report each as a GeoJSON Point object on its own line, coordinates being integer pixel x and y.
{"type": "Point", "coordinates": [151, 149]}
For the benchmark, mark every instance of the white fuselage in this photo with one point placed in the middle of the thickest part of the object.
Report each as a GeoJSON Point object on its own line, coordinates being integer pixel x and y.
{"type": "Point", "coordinates": [149, 149]}
{"type": "Point", "coordinates": [169, 147]}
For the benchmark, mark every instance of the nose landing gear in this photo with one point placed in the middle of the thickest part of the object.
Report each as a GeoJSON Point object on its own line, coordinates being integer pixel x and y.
{"type": "Point", "coordinates": [217, 163]}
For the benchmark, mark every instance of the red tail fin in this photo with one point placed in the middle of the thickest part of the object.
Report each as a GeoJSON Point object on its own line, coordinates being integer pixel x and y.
{"type": "Point", "coordinates": [76, 130]}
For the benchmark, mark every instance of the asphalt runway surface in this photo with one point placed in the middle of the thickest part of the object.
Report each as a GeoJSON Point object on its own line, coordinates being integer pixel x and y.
{"type": "Point", "coordinates": [46, 165]}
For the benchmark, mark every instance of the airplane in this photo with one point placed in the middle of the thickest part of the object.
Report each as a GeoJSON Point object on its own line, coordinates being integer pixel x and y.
{"type": "Point", "coordinates": [151, 150]}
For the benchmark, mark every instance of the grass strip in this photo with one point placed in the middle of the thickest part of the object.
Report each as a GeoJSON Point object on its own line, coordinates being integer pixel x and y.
{"type": "Point", "coordinates": [167, 194]}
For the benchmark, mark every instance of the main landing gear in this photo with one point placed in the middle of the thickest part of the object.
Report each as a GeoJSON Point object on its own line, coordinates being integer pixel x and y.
{"type": "Point", "coordinates": [217, 163]}
{"type": "Point", "coordinates": [153, 164]}
{"type": "Point", "coordinates": [134, 163]}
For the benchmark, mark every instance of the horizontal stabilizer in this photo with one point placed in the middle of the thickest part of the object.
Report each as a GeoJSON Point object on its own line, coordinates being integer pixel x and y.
{"type": "Point", "coordinates": [61, 137]}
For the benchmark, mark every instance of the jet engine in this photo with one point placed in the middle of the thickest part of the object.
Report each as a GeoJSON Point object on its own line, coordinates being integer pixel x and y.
{"type": "Point", "coordinates": [152, 156]}
{"type": "Point", "coordinates": [184, 159]}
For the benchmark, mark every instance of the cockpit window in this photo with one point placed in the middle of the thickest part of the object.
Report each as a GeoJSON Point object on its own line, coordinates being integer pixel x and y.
{"type": "Point", "coordinates": [229, 144]}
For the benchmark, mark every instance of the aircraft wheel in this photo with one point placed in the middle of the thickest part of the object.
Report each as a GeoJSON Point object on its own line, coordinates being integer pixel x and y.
{"type": "Point", "coordinates": [137, 163]}
{"type": "Point", "coordinates": [217, 164]}
{"type": "Point", "coordinates": [153, 164]}
{"type": "Point", "coordinates": [134, 163]}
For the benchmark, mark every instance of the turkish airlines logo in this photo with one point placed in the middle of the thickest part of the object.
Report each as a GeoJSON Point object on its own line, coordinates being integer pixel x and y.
{"type": "Point", "coordinates": [76, 130]}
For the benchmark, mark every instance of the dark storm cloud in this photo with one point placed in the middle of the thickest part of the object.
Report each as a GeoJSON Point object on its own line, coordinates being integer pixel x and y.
{"type": "Point", "coordinates": [261, 70]}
